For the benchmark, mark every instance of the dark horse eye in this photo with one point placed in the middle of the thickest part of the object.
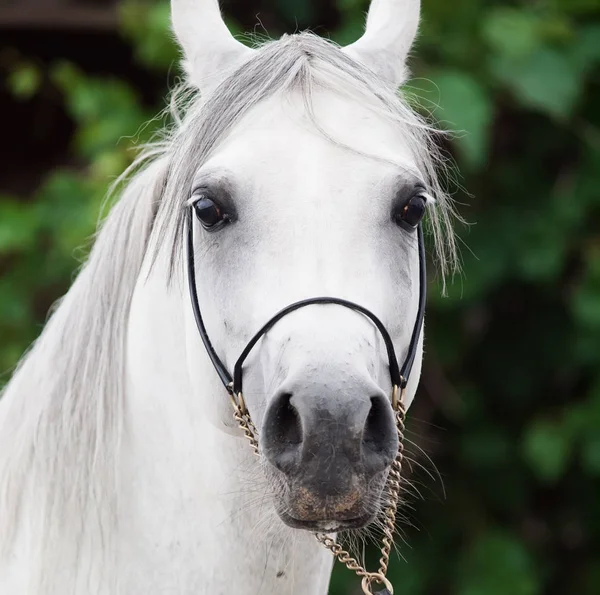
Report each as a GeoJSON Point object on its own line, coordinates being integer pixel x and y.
{"type": "Point", "coordinates": [208, 212]}
{"type": "Point", "coordinates": [412, 213]}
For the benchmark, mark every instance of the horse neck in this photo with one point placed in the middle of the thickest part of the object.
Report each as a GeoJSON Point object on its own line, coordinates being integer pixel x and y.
{"type": "Point", "coordinates": [196, 515]}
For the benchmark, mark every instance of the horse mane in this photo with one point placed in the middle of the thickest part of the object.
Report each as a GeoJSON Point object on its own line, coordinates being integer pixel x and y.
{"type": "Point", "coordinates": [63, 409]}
{"type": "Point", "coordinates": [62, 416]}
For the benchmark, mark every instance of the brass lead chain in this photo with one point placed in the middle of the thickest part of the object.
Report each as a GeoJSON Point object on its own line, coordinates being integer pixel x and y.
{"type": "Point", "coordinates": [341, 554]}
{"type": "Point", "coordinates": [245, 422]}
{"type": "Point", "coordinates": [393, 486]}
{"type": "Point", "coordinates": [242, 416]}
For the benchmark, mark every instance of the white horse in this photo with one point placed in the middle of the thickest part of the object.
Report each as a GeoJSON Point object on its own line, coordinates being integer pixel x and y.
{"type": "Point", "coordinates": [122, 471]}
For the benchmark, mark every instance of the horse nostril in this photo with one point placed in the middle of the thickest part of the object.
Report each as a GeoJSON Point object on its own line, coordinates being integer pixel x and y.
{"type": "Point", "coordinates": [380, 439]}
{"type": "Point", "coordinates": [282, 433]}
{"type": "Point", "coordinates": [288, 427]}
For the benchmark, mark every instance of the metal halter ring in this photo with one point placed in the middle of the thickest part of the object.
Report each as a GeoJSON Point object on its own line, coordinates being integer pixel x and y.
{"type": "Point", "coordinates": [238, 400]}
{"type": "Point", "coordinates": [398, 394]}
{"type": "Point", "coordinates": [376, 577]}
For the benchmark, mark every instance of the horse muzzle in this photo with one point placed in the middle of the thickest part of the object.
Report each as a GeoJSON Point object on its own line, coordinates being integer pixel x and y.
{"type": "Point", "coordinates": [329, 454]}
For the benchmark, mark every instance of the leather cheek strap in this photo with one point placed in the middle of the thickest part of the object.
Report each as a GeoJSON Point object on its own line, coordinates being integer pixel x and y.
{"type": "Point", "coordinates": [222, 371]}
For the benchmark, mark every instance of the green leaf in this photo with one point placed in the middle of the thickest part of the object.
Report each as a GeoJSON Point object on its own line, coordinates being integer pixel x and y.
{"type": "Point", "coordinates": [578, 7]}
{"type": "Point", "coordinates": [147, 26]}
{"type": "Point", "coordinates": [586, 50]}
{"type": "Point", "coordinates": [108, 111]}
{"type": "Point", "coordinates": [547, 448]}
{"type": "Point", "coordinates": [545, 254]}
{"type": "Point", "coordinates": [511, 31]}
{"type": "Point", "coordinates": [25, 81]}
{"type": "Point", "coordinates": [15, 306]}
{"type": "Point", "coordinates": [586, 298]}
{"type": "Point", "coordinates": [300, 11]}
{"type": "Point", "coordinates": [487, 448]}
{"type": "Point", "coordinates": [590, 454]}
{"type": "Point", "coordinates": [352, 6]}
{"type": "Point", "coordinates": [351, 28]}
{"type": "Point", "coordinates": [465, 107]}
{"type": "Point", "coordinates": [545, 80]}
{"type": "Point", "coordinates": [498, 564]}
{"type": "Point", "coordinates": [18, 225]}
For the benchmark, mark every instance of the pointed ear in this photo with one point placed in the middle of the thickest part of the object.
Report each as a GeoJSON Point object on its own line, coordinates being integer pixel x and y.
{"type": "Point", "coordinates": [211, 52]}
{"type": "Point", "coordinates": [391, 29]}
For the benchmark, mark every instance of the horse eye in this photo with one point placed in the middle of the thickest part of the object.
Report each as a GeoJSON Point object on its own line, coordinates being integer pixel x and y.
{"type": "Point", "coordinates": [208, 212]}
{"type": "Point", "coordinates": [412, 213]}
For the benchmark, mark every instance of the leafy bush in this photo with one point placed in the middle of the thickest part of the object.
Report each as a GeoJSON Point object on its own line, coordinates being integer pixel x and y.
{"type": "Point", "coordinates": [509, 407]}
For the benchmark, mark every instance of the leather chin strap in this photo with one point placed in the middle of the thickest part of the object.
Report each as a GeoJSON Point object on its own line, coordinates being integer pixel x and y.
{"type": "Point", "coordinates": [399, 375]}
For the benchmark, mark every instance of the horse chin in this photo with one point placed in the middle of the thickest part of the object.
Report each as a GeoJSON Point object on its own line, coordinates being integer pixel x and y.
{"type": "Point", "coordinates": [322, 509]}
{"type": "Point", "coordinates": [326, 525]}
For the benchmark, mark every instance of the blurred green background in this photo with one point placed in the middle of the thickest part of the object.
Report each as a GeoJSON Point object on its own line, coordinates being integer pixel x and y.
{"type": "Point", "coordinates": [509, 405]}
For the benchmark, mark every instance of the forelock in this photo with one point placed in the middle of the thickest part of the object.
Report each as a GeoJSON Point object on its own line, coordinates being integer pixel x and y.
{"type": "Point", "coordinates": [303, 62]}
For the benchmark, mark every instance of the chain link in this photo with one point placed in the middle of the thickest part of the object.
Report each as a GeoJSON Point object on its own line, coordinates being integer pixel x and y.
{"type": "Point", "coordinates": [393, 487]}
{"type": "Point", "coordinates": [394, 480]}
{"type": "Point", "coordinates": [341, 554]}
{"type": "Point", "coordinates": [248, 428]}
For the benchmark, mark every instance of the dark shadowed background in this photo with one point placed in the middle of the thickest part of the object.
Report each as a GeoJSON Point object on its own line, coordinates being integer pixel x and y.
{"type": "Point", "coordinates": [509, 405]}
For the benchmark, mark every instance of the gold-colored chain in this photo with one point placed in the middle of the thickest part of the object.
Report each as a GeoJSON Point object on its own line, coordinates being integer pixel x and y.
{"type": "Point", "coordinates": [242, 416]}
{"type": "Point", "coordinates": [394, 480]}
{"type": "Point", "coordinates": [393, 486]}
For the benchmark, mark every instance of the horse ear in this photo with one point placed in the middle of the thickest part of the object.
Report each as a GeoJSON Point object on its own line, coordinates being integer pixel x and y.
{"type": "Point", "coordinates": [211, 52]}
{"type": "Point", "coordinates": [390, 32]}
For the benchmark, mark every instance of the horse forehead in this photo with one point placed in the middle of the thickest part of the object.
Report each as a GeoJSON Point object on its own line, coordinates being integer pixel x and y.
{"type": "Point", "coordinates": [282, 137]}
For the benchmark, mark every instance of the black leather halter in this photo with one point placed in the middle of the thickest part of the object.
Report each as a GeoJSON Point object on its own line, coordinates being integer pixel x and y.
{"type": "Point", "coordinates": [399, 375]}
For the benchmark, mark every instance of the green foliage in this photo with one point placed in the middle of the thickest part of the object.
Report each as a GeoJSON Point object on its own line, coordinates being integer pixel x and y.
{"type": "Point", "coordinates": [456, 89]}
{"type": "Point", "coordinates": [24, 81]}
{"type": "Point", "coordinates": [497, 564]}
{"type": "Point", "coordinates": [145, 25]}
{"type": "Point", "coordinates": [547, 449]}
{"type": "Point", "coordinates": [513, 373]}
